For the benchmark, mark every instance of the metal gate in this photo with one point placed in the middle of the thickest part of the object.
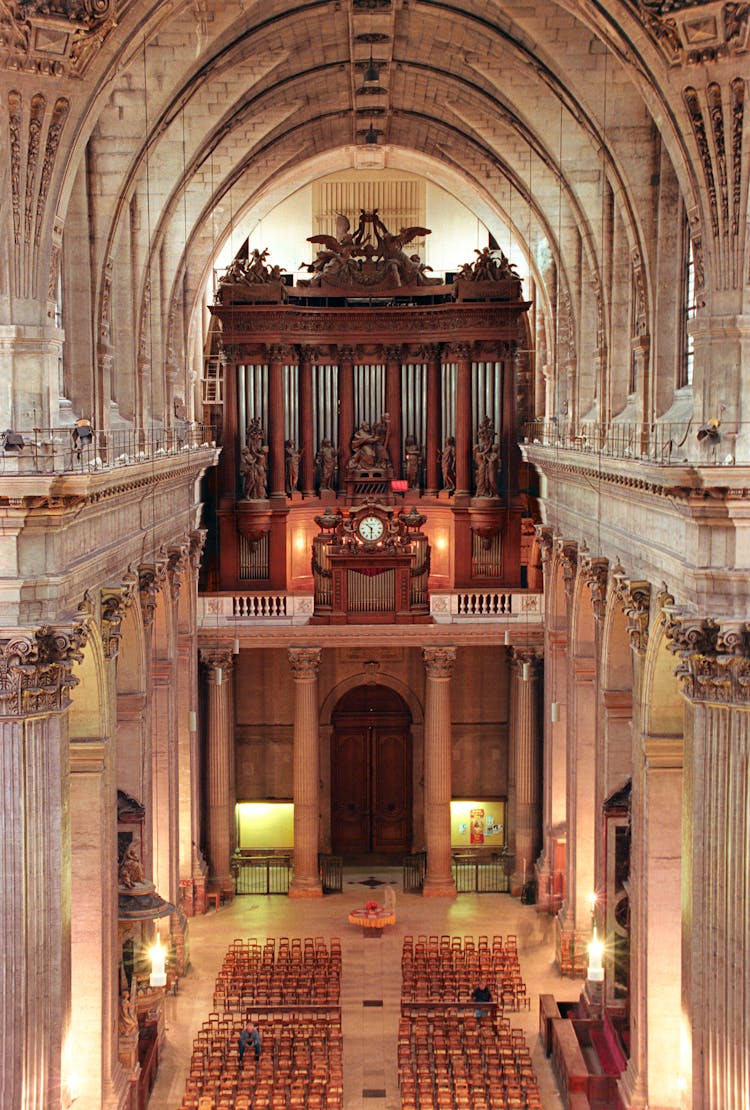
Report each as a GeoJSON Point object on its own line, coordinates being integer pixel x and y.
{"type": "Point", "coordinates": [262, 874]}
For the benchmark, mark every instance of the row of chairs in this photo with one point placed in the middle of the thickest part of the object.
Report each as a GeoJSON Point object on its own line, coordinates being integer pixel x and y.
{"type": "Point", "coordinates": [288, 972]}
{"type": "Point", "coordinates": [290, 988]}
{"type": "Point", "coordinates": [447, 969]}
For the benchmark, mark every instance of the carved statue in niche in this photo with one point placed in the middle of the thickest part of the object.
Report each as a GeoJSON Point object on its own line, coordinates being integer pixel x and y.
{"type": "Point", "coordinates": [130, 872]}
{"type": "Point", "coordinates": [291, 466]}
{"type": "Point", "coordinates": [448, 464]}
{"type": "Point", "coordinates": [326, 459]}
{"type": "Point", "coordinates": [253, 461]}
{"type": "Point", "coordinates": [370, 446]}
{"type": "Point", "coordinates": [412, 461]}
{"type": "Point", "coordinates": [128, 1017]}
{"type": "Point", "coordinates": [486, 460]}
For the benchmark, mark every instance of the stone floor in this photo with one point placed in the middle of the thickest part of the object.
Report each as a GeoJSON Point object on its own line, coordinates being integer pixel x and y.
{"type": "Point", "coordinates": [371, 972]}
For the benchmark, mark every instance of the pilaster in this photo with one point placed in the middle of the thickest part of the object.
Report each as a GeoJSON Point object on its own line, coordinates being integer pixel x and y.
{"type": "Point", "coordinates": [439, 663]}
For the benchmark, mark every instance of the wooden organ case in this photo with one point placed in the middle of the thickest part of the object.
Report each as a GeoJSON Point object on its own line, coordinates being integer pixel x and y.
{"type": "Point", "coordinates": [369, 386]}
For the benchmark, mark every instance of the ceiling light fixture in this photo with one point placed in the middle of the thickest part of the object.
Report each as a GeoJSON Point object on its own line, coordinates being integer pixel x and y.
{"type": "Point", "coordinates": [371, 136]}
{"type": "Point", "coordinates": [372, 73]}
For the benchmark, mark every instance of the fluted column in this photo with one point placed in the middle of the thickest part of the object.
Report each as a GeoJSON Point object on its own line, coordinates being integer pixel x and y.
{"type": "Point", "coordinates": [35, 907]}
{"type": "Point", "coordinates": [220, 767]}
{"type": "Point", "coordinates": [276, 358]}
{"type": "Point", "coordinates": [524, 807]}
{"type": "Point", "coordinates": [462, 355]}
{"type": "Point", "coordinates": [304, 664]}
{"type": "Point", "coordinates": [434, 415]}
{"type": "Point", "coordinates": [437, 771]}
{"type": "Point", "coordinates": [307, 445]}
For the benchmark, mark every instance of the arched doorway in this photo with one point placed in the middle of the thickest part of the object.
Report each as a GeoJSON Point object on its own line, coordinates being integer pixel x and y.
{"type": "Point", "coordinates": [371, 759]}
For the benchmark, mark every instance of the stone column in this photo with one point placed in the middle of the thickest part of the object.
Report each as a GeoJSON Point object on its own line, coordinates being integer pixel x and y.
{"type": "Point", "coordinates": [35, 907]}
{"type": "Point", "coordinates": [432, 448]}
{"type": "Point", "coordinates": [307, 444]}
{"type": "Point", "coordinates": [276, 359]}
{"type": "Point", "coordinates": [346, 409]}
{"type": "Point", "coordinates": [713, 664]}
{"type": "Point", "coordinates": [304, 664]}
{"type": "Point", "coordinates": [437, 771]}
{"type": "Point", "coordinates": [462, 354]}
{"type": "Point", "coordinates": [393, 403]}
{"type": "Point", "coordinates": [220, 767]}
{"type": "Point", "coordinates": [525, 776]}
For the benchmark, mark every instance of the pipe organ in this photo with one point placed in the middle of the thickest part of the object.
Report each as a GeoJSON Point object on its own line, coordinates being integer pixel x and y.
{"type": "Point", "coordinates": [339, 397]}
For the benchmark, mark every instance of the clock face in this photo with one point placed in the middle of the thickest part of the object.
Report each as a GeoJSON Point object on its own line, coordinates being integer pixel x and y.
{"type": "Point", "coordinates": [371, 528]}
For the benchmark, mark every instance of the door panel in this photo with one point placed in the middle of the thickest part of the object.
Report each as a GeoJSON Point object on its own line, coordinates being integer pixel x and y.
{"type": "Point", "coordinates": [391, 779]}
{"type": "Point", "coordinates": [371, 787]}
{"type": "Point", "coordinates": [350, 803]}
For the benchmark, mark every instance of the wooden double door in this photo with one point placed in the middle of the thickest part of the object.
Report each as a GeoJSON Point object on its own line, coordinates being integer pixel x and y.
{"type": "Point", "coordinates": [371, 783]}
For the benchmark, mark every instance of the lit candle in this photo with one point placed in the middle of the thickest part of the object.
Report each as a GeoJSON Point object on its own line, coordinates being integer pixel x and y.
{"type": "Point", "coordinates": [158, 977]}
{"type": "Point", "coordinates": [596, 950]}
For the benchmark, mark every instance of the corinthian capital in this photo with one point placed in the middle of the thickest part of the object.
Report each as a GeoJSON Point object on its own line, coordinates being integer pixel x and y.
{"type": "Point", "coordinates": [714, 657]}
{"type": "Point", "coordinates": [36, 668]}
{"type": "Point", "coordinates": [150, 581]}
{"type": "Point", "coordinates": [303, 662]}
{"type": "Point", "coordinates": [595, 572]}
{"type": "Point", "coordinates": [635, 598]}
{"type": "Point", "coordinates": [567, 551]}
{"type": "Point", "coordinates": [439, 661]}
{"type": "Point", "coordinates": [177, 558]}
{"type": "Point", "coordinates": [116, 600]}
{"type": "Point", "coordinates": [546, 539]}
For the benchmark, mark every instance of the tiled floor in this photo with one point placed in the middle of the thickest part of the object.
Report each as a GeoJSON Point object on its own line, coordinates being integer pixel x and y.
{"type": "Point", "coordinates": [371, 973]}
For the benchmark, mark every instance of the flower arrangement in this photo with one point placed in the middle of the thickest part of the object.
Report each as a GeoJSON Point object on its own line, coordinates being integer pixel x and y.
{"type": "Point", "coordinates": [371, 907]}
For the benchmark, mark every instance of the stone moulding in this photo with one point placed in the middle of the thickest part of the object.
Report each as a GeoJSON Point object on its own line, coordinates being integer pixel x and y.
{"type": "Point", "coordinates": [54, 38]}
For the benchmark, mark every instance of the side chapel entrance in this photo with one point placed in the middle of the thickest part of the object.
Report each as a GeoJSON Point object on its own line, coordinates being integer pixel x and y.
{"type": "Point", "coordinates": [371, 781]}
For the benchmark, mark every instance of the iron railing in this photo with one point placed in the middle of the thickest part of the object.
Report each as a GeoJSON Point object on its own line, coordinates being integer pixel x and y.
{"type": "Point", "coordinates": [480, 873]}
{"type": "Point", "coordinates": [331, 873]}
{"type": "Point", "coordinates": [262, 874]}
{"type": "Point", "coordinates": [414, 868]}
{"type": "Point", "coordinates": [668, 443]}
{"type": "Point", "coordinates": [59, 451]}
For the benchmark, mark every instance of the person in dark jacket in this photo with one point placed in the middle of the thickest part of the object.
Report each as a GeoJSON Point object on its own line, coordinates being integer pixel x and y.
{"type": "Point", "coordinates": [250, 1036]}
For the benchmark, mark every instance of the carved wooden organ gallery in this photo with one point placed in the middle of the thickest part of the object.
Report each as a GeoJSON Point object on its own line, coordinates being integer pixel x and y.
{"type": "Point", "coordinates": [363, 391]}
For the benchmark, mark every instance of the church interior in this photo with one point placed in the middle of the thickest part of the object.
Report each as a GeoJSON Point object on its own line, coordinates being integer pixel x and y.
{"type": "Point", "coordinates": [375, 558]}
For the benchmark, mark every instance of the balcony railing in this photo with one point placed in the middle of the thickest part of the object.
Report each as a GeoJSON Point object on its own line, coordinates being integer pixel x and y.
{"type": "Point", "coordinates": [59, 451]}
{"type": "Point", "coordinates": [664, 444]}
{"type": "Point", "coordinates": [446, 607]}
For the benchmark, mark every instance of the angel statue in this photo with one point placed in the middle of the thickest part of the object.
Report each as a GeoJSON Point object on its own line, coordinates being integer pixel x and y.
{"type": "Point", "coordinates": [339, 261]}
{"type": "Point", "coordinates": [402, 269]}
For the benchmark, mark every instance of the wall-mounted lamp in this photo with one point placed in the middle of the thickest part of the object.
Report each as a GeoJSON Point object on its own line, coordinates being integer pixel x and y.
{"type": "Point", "coordinates": [526, 672]}
{"type": "Point", "coordinates": [506, 638]}
{"type": "Point", "coordinates": [192, 721]}
{"type": "Point", "coordinates": [236, 646]}
{"type": "Point", "coordinates": [554, 711]}
{"type": "Point", "coordinates": [219, 676]}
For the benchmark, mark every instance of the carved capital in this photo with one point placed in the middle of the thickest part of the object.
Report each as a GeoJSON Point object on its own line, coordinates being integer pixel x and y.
{"type": "Point", "coordinates": [150, 581]}
{"type": "Point", "coordinates": [439, 661]}
{"type": "Point", "coordinates": [215, 660]}
{"type": "Point", "coordinates": [714, 657]}
{"type": "Point", "coordinates": [36, 668]}
{"type": "Point", "coordinates": [567, 551]}
{"type": "Point", "coordinates": [309, 354]}
{"type": "Point", "coordinates": [546, 540]}
{"type": "Point", "coordinates": [595, 571]}
{"type": "Point", "coordinates": [115, 601]}
{"type": "Point", "coordinates": [304, 663]}
{"type": "Point", "coordinates": [177, 559]}
{"type": "Point", "coordinates": [197, 542]}
{"type": "Point", "coordinates": [281, 353]}
{"type": "Point", "coordinates": [635, 598]}
{"type": "Point", "coordinates": [458, 352]}
{"type": "Point", "coordinates": [345, 355]}
{"type": "Point", "coordinates": [54, 39]}
{"type": "Point", "coordinates": [392, 353]}
{"type": "Point", "coordinates": [533, 656]}
{"type": "Point", "coordinates": [429, 352]}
